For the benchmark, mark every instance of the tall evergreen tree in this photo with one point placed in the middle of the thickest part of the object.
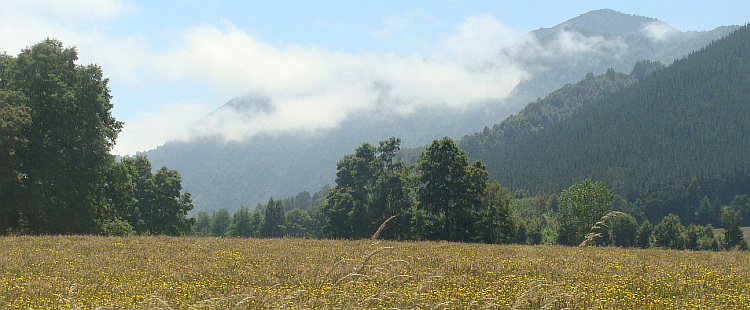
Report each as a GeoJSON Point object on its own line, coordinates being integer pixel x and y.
{"type": "Point", "coordinates": [240, 226]}
{"type": "Point", "coordinates": [733, 236]}
{"type": "Point", "coordinates": [273, 221]}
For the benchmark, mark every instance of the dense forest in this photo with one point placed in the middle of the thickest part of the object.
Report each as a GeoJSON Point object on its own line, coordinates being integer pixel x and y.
{"type": "Point", "coordinates": [556, 107]}
{"type": "Point", "coordinates": [57, 175]}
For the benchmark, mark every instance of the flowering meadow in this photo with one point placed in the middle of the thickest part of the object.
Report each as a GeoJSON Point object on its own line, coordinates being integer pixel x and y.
{"type": "Point", "coordinates": [87, 272]}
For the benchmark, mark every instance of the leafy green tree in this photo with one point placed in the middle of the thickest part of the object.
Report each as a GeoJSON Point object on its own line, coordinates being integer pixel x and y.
{"type": "Point", "coordinates": [240, 226]}
{"type": "Point", "coordinates": [256, 222]}
{"type": "Point", "coordinates": [706, 239]}
{"type": "Point", "coordinates": [496, 222]}
{"type": "Point", "coordinates": [202, 226]}
{"type": "Point", "coordinates": [160, 207]}
{"type": "Point", "coordinates": [733, 236]}
{"type": "Point", "coordinates": [60, 131]}
{"type": "Point", "coordinates": [349, 202]}
{"type": "Point", "coordinates": [372, 185]}
{"type": "Point", "coordinates": [337, 213]}
{"type": "Point", "coordinates": [171, 206]}
{"type": "Point", "coordinates": [622, 230]}
{"type": "Point", "coordinates": [699, 237]}
{"type": "Point", "coordinates": [451, 191]}
{"type": "Point", "coordinates": [581, 206]}
{"type": "Point", "coordinates": [220, 223]}
{"type": "Point", "coordinates": [119, 191]}
{"type": "Point", "coordinates": [15, 119]}
{"type": "Point", "coordinates": [393, 193]}
{"type": "Point", "coordinates": [668, 233]}
{"type": "Point", "coordinates": [643, 235]}
{"type": "Point", "coordinates": [298, 223]}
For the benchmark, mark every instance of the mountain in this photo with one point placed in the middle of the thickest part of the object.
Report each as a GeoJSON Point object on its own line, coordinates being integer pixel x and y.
{"type": "Point", "coordinates": [687, 121]}
{"type": "Point", "coordinates": [280, 164]}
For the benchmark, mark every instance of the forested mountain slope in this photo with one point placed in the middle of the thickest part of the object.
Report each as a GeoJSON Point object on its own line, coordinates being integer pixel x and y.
{"type": "Point", "coordinates": [688, 120]}
{"type": "Point", "coordinates": [280, 164]}
{"type": "Point", "coordinates": [556, 107]}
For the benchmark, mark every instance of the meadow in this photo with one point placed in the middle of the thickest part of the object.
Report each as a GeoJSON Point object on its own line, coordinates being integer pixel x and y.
{"type": "Point", "coordinates": [88, 272]}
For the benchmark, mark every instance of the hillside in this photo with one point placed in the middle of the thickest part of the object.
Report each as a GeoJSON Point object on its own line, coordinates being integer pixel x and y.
{"type": "Point", "coordinates": [281, 164]}
{"type": "Point", "coordinates": [688, 120]}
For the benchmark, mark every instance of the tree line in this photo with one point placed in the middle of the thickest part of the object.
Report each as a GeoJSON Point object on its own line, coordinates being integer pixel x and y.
{"type": "Point", "coordinates": [443, 197]}
{"type": "Point", "coordinates": [57, 175]}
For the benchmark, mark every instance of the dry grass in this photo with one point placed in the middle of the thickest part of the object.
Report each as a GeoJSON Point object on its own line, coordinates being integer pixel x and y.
{"type": "Point", "coordinates": [81, 272]}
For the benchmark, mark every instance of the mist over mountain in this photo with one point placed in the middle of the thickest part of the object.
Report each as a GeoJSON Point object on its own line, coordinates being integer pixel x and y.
{"type": "Point", "coordinates": [260, 145]}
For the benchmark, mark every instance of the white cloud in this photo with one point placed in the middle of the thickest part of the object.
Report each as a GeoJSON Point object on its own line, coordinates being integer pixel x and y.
{"type": "Point", "coordinates": [309, 87]}
{"type": "Point", "coordinates": [172, 121]}
{"type": "Point", "coordinates": [659, 31]}
{"type": "Point", "coordinates": [480, 34]}
{"type": "Point", "coordinates": [78, 23]}
{"type": "Point", "coordinates": [312, 87]}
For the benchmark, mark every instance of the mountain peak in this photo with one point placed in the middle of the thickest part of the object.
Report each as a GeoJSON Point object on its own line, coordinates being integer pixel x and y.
{"type": "Point", "coordinates": [603, 20]}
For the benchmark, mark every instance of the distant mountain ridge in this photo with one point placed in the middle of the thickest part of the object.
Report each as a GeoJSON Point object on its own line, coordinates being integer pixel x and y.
{"type": "Point", "coordinates": [228, 175]}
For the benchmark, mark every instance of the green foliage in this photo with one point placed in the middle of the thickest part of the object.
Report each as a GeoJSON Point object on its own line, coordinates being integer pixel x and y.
{"type": "Point", "coordinates": [273, 220]}
{"type": "Point", "coordinates": [697, 237]}
{"type": "Point", "coordinates": [451, 191]}
{"type": "Point", "coordinates": [442, 197]}
{"type": "Point", "coordinates": [557, 107]}
{"type": "Point", "coordinates": [496, 224]}
{"type": "Point", "coordinates": [159, 206]}
{"type": "Point", "coordinates": [733, 236]}
{"type": "Point", "coordinates": [117, 227]}
{"type": "Point", "coordinates": [299, 224]}
{"type": "Point", "coordinates": [741, 203]}
{"type": "Point", "coordinates": [241, 224]}
{"type": "Point", "coordinates": [644, 234]}
{"type": "Point", "coordinates": [220, 222]}
{"type": "Point", "coordinates": [57, 175]}
{"type": "Point", "coordinates": [202, 226]}
{"type": "Point", "coordinates": [57, 131]}
{"type": "Point", "coordinates": [668, 233]}
{"type": "Point", "coordinates": [371, 186]}
{"type": "Point", "coordinates": [622, 230]}
{"type": "Point", "coordinates": [581, 206]}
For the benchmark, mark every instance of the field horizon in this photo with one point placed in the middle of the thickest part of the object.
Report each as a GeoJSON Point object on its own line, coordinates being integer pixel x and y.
{"type": "Point", "coordinates": [157, 272]}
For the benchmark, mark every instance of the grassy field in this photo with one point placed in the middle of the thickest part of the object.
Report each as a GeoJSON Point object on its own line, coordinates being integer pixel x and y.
{"type": "Point", "coordinates": [83, 272]}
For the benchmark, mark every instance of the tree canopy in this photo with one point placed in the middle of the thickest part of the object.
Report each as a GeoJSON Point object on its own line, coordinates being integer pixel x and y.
{"type": "Point", "coordinates": [57, 175]}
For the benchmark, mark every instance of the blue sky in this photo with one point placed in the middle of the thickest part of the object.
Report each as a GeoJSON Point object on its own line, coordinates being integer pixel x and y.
{"type": "Point", "coordinates": [171, 62]}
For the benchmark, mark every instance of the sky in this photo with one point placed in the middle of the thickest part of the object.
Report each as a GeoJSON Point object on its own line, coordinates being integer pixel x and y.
{"type": "Point", "coordinates": [172, 62]}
